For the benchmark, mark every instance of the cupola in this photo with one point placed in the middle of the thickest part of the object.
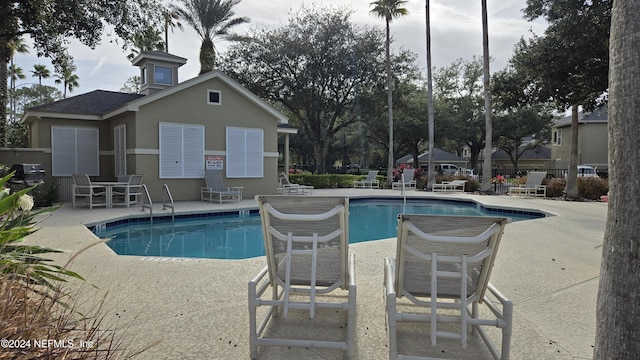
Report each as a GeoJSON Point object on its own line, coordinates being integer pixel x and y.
{"type": "Point", "coordinates": [158, 70]}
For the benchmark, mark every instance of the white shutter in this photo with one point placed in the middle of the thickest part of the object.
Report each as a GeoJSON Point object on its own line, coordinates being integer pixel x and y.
{"type": "Point", "coordinates": [170, 151]}
{"type": "Point", "coordinates": [235, 149]}
{"type": "Point", "coordinates": [120, 149]}
{"type": "Point", "coordinates": [87, 152]}
{"type": "Point", "coordinates": [254, 156]}
{"type": "Point", "coordinates": [74, 150]}
{"type": "Point", "coordinates": [63, 151]}
{"type": "Point", "coordinates": [244, 152]}
{"type": "Point", "coordinates": [193, 152]}
{"type": "Point", "coordinates": [181, 151]}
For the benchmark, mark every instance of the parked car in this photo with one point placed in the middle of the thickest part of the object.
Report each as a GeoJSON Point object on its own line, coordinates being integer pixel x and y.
{"type": "Point", "coordinates": [584, 171]}
{"type": "Point", "coordinates": [447, 169]}
{"type": "Point", "coordinates": [467, 172]}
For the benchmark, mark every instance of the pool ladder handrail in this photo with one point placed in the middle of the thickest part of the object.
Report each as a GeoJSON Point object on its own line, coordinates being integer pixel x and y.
{"type": "Point", "coordinates": [167, 194]}
{"type": "Point", "coordinates": [149, 204]}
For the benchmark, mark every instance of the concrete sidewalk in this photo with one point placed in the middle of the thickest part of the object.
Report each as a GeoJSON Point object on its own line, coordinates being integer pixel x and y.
{"type": "Point", "coordinates": [548, 267]}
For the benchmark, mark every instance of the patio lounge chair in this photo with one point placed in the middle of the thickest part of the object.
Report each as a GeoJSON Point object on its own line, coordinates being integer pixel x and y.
{"type": "Point", "coordinates": [95, 195]}
{"type": "Point", "coordinates": [287, 188]}
{"type": "Point", "coordinates": [533, 186]}
{"type": "Point", "coordinates": [308, 269]}
{"type": "Point", "coordinates": [216, 191]}
{"type": "Point", "coordinates": [369, 182]}
{"type": "Point", "coordinates": [450, 186]}
{"type": "Point", "coordinates": [130, 194]}
{"type": "Point", "coordinates": [406, 180]}
{"type": "Point", "coordinates": [442, 267]}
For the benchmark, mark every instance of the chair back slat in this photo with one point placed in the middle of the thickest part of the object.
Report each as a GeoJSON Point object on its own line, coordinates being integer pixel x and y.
{"type": "Point", "coordinates": [450, 237]}
{"type": "Point", "coordinates": [213, 179]}
{"type": "Point", "coordinates": [534, 178]}
{"type": "Point", "coordinates": [82, 182]}
{"type": "Point", "coordinates": [284, 217]}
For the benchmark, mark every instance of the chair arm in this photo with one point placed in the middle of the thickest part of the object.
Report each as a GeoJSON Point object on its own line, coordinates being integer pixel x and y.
{"type": "Point", "coordinates": [351, 276]}
{"type": "Point", "coordinates": [390, 277]}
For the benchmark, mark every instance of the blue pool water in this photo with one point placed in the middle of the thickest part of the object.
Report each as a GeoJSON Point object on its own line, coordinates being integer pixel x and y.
{"type": "Point", "coordinates": [239, 235]}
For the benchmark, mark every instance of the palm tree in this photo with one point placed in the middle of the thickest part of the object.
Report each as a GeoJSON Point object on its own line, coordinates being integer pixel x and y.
{"type": "Point", "coordinates": [431, 176]}
{"type": "Point", "coordinates": [170, 18]}
{"type": "Point", "coordinates": [388, 10]}
{"type": "Point", "coordinates": [148, 39]}
{"type": "Point", "coordinates": [488, 142]}
{"type": "Point", "coordinates": [210, 19]}
{"type": "Point", "coordinates": [69, 79]}
{"type": "Point", "coordinates": [41, 72]}
{"type": "Point", "coordinates": [16, 45]}
{"type": "Point", "coordinates": [16, 74]}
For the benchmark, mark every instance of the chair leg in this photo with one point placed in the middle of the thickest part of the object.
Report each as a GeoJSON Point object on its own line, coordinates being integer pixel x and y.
{"type": "Point", "coordinates": [253, 335]}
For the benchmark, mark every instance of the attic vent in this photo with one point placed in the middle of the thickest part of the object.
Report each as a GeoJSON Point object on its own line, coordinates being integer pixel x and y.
{"type": "Point", "coordinates": [214, 97]}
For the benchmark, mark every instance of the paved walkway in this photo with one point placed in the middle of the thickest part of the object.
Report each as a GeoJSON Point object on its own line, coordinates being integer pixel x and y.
{"type": "Point", "coordinates": [548, 267]}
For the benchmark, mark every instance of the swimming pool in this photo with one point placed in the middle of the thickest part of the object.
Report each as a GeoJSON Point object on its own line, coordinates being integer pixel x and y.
{"type": "Point", "coordinates": [238, 235]}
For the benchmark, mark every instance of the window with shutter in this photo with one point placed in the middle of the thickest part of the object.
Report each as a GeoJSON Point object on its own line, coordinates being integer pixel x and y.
{"type": "Point", "coordinates": [74, 150]}
{"type": "Point", "coordinates": [245, 152]}
{"type": "Point", "coordinates": [181, 151]}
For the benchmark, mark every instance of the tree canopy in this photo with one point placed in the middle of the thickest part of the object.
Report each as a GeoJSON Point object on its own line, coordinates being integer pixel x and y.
{"type": "Point", "coordinates": [569, 64]}
{"type": "Point", "coordinates": [50, 25]}
{"type": "Point", "coordinates": [317, 68]}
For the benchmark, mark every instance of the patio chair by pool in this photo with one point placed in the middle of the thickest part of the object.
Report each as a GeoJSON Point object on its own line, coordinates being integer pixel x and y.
{"type": "Point", "coordinates": [94, 195]}
{"type": "Point", "coordinates": [533, 186]}
{"type": "Point", "coordinates": [287, 188]}
{"type": "Point", "coordinates": [308, 270]}
{"type": "Point", "coordinates": [407, 178]}
{"type": "Point", "coordinates": [440, 276]}
{"type": "Point", "coordinates": [369, 182]}
{"type": "Point", "coordinates": [450, 186]}
{"type": "Point", "coordinates": [216, 191]}
{"type": "Point", "coordinates": [130, 194]}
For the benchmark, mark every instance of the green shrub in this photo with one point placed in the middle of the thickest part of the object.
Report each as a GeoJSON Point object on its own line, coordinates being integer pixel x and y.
{"type": "Point", "coordinates": [45, 194]}
{"type": "Point", "coordinates": [327, 181]}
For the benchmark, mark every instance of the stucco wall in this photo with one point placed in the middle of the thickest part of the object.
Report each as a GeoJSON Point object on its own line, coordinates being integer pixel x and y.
{"type": "Point", "coordinates": [190, 107]}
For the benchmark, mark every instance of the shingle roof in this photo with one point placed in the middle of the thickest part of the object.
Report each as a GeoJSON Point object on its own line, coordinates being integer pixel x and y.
{"type": "Point", "coordinates": [439, 155]}
{"type": "Point", "coordinates": [597, 115]}
{"type": "Point", "coordinates": [541, 153]}
{"type": "Point", "coordinates": [97, 102]}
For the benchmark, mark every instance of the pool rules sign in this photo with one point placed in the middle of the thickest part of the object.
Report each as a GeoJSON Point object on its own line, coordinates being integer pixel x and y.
{"type": "Point", "coordinates": [213, 162]}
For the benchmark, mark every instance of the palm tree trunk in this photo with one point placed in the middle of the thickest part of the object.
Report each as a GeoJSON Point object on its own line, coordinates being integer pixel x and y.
{"type": "Point", "coordinates": [207, 56]}
{"type": "Point", "coordinates": [431, 176]}
{"type": "Point", "coordinates": [617, 330]}
{"type": "Point", "coordinates": [488, 142]}
{"type": "Point", "coordinates": [390, 105]}
{"type": "Point", "coordinates": [3, 99]}
{"type": "Point", "coordinates": [572, 176]}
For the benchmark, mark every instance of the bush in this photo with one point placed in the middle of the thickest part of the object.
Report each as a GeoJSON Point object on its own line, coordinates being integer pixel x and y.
{"type": "Point", "coordinates": [592, 187]}
{"type": "Point", "coordinates": [327, 181]}
{"type": "Point", "coordinates": [45, 194]}
{"type": "Point", "coordinates": [555, 187]}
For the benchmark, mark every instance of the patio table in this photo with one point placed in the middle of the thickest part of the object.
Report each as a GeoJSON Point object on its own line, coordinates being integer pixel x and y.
{"type": "Point", "coordinates": [109, 185]}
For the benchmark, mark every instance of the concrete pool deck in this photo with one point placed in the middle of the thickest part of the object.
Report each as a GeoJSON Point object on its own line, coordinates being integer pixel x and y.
{"type": "Point", "coordinates": [548, 267]}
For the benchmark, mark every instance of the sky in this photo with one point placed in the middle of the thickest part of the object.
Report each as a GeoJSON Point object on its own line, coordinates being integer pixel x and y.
{"type": "Point", "coordinates": [456, 32]}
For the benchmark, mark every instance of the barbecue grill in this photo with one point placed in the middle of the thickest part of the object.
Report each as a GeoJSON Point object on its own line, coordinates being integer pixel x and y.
{"type": "Point", "coordinates": [27, 174]}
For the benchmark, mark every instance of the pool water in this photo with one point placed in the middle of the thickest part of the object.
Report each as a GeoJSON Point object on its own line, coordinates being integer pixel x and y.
{"type": "Point", "coordinates": [239, 235]}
